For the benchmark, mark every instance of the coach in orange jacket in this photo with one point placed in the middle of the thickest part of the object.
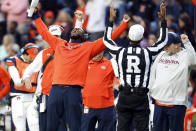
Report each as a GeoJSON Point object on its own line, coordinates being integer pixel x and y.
{"type": "Point", "coordinates": [44, 63]}
{"type": "Point", "coordinates": [71, 64]}
{"type": "Point", "coordinates": [4, 82]}
{"type": "Point", "coordinates": [98, 96]}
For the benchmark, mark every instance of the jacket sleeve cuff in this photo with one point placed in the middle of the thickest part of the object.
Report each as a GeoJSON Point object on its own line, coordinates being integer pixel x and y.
{"type": "Point", "coordinates": [35, 16]}
{"type": "Point", "coordinates": [110, 24]}
{"type": "Point", "coordinates": [164, 23]}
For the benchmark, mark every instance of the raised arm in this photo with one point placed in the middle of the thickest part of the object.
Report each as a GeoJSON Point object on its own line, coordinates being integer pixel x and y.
{"type": "Point", "coordinates": [163, 38]}
{"type": "Point", "coordinates": [53, 41]}
{"type": "Point", "coordinates": [187, 44]}
{"type": "Point", "coordinates": [190, 50]}
{"type": "Point", "coordinates": [108, 42]}
{"type": "Point", "coordinates": [99, 46]}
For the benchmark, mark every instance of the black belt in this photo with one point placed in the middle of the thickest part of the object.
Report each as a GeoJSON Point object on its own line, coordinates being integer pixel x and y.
{"type": "Point", "coordinates": [61, 85]}
{"type": "Point", "coordinates": [136, 90]}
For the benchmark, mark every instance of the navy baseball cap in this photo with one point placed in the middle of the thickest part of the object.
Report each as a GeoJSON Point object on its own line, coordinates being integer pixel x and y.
{"type": "Point", "coordinates": [174, 38]}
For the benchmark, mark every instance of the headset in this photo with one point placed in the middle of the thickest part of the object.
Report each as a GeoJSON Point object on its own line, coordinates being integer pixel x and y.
{"type": "Point", "coordinates": [23, 50]}
{"type": "Point", "coordinates": [85, 36]}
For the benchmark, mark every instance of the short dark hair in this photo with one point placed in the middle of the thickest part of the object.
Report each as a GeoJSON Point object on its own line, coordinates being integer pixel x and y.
{"type": "Point", "coordinates": [25, 53]}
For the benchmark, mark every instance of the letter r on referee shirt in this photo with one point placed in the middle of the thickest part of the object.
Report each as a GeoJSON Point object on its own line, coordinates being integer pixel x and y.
{"type": "Point", "coordinates": [132, 64]}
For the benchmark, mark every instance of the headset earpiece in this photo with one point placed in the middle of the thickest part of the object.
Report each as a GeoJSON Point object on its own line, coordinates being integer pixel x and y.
{"type": "Point", "coordinates": [22, 51]}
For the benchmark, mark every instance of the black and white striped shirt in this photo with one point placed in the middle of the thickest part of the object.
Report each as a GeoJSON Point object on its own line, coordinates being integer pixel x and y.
{"type": "Point", "coordinates": [134, 62]}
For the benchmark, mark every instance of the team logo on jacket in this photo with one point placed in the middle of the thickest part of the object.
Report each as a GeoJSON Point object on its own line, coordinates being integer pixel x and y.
{"type": "Point", "coordinates": [103, 67]}
{"type": "Point", "coordinates": [69, 47]}
{"type": "Point", "coordinates": [48, 54]}
{"type": "Point", "coordinates": [167, 61]}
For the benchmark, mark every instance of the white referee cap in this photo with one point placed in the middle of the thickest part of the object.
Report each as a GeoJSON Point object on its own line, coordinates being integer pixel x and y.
{"type": "Point", "coordinates": [55, 30]}
{"type": "Point", "coordinates": [136, 32]}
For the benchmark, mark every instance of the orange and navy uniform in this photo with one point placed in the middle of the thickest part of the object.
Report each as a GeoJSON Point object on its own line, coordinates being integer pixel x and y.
{"type": "Point", "coordinates": [98, 90]}
{"type": "Point", "coordinates": [48, 72]}
{"type": "Point", "coordinates": [4, 82]}
{"type": "Point", "coordinates": [71, 59]}
{"type": "Point", "coordinates": [20, 65]}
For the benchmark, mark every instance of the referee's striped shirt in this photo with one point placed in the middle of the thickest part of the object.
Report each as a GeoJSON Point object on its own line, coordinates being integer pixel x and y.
{"type": "Point", "coordinates": [134, 62]}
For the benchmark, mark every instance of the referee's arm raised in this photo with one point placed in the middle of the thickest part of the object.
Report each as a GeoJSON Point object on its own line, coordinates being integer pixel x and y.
{"type": "Point", "coordinates": [163, 38]}
{"type": "Point", "coordinates": [108, 42]}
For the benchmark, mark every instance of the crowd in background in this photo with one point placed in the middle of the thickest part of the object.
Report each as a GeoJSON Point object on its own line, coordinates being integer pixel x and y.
{"type": "Point", "coordinates": [16, 29]}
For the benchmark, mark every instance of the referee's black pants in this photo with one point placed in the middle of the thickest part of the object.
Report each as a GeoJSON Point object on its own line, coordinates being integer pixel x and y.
{"type": "Point", "coordinates": [133, 106]}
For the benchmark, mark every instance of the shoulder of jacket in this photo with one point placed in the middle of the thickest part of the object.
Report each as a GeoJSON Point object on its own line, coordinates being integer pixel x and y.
{"type": "Point", "coordinates": [11, 61]}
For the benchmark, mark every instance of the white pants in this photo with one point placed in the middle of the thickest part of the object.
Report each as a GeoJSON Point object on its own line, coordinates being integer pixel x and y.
{"type": "Point", "coordinates": [22, 110]}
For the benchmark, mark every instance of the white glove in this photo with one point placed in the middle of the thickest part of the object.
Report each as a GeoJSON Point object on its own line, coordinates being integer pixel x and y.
{"type": "Point", "coordinates": [34, 4]}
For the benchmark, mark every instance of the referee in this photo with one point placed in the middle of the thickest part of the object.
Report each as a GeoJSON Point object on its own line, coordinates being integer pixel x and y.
{"type": "Point", "coordinates": [134, 65]}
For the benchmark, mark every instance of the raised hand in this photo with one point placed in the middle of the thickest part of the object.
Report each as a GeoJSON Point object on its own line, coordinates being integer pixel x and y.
{"type": "Point", "coordinates": [162, 13]}
{"type": "Point", "coordinates": [79, 15]}
{"type": "Point", "coordinates": [126, 18]}
{"type": "Point", "coordinates": [36, 10]}
{"type": "Point", "coordinates": [112, 13]}
{"type": "Point", "coordinates": [184, 38]}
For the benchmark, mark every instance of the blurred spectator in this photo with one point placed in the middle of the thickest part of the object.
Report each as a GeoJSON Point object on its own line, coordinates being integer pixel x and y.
{"type": "Point", "coordinates": [12, 30]}
{"type": "Point", "coordinates": [16, 11]}
{"type": "Point", "coordinates": [7, 40]}
{"type": "Point", "coordinates": [188, 6]}
{"type": "Point", "coordinates": [12, 49]}
{"type": "Point", "coordinates": [172, 26]}
{"type": "Point", "coordinates": [96, 9]}
{"type": "Point", "coordinates": [151, 39]}
{"type": "Point", "coordinates": [143, 8]}
{"type": "Point", "coordinates": [2, 25]}
{"type": "Point", "coordinates": [49, 18]}
{"type": "Point", "coordinates": [40, 42]}
{"type": "Point", "coordinates": [64, 19]}
{"type": "Point", "coordinates": [121, 8]}
{"type": "Point", "coordinates": [82, 7]}
{"type": "Point", "coordinates": [173, 8]}
{"type": "Point", "coordinates": [2, 30]}
{"type": "Point", "coordinates": [67, 3]}
{"type": "Point", "coordinates": [49, 5]}
{"type": "Point", "coordinates": [144, 43]}
{"type": "Point", "coordinates": [185, 28]}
